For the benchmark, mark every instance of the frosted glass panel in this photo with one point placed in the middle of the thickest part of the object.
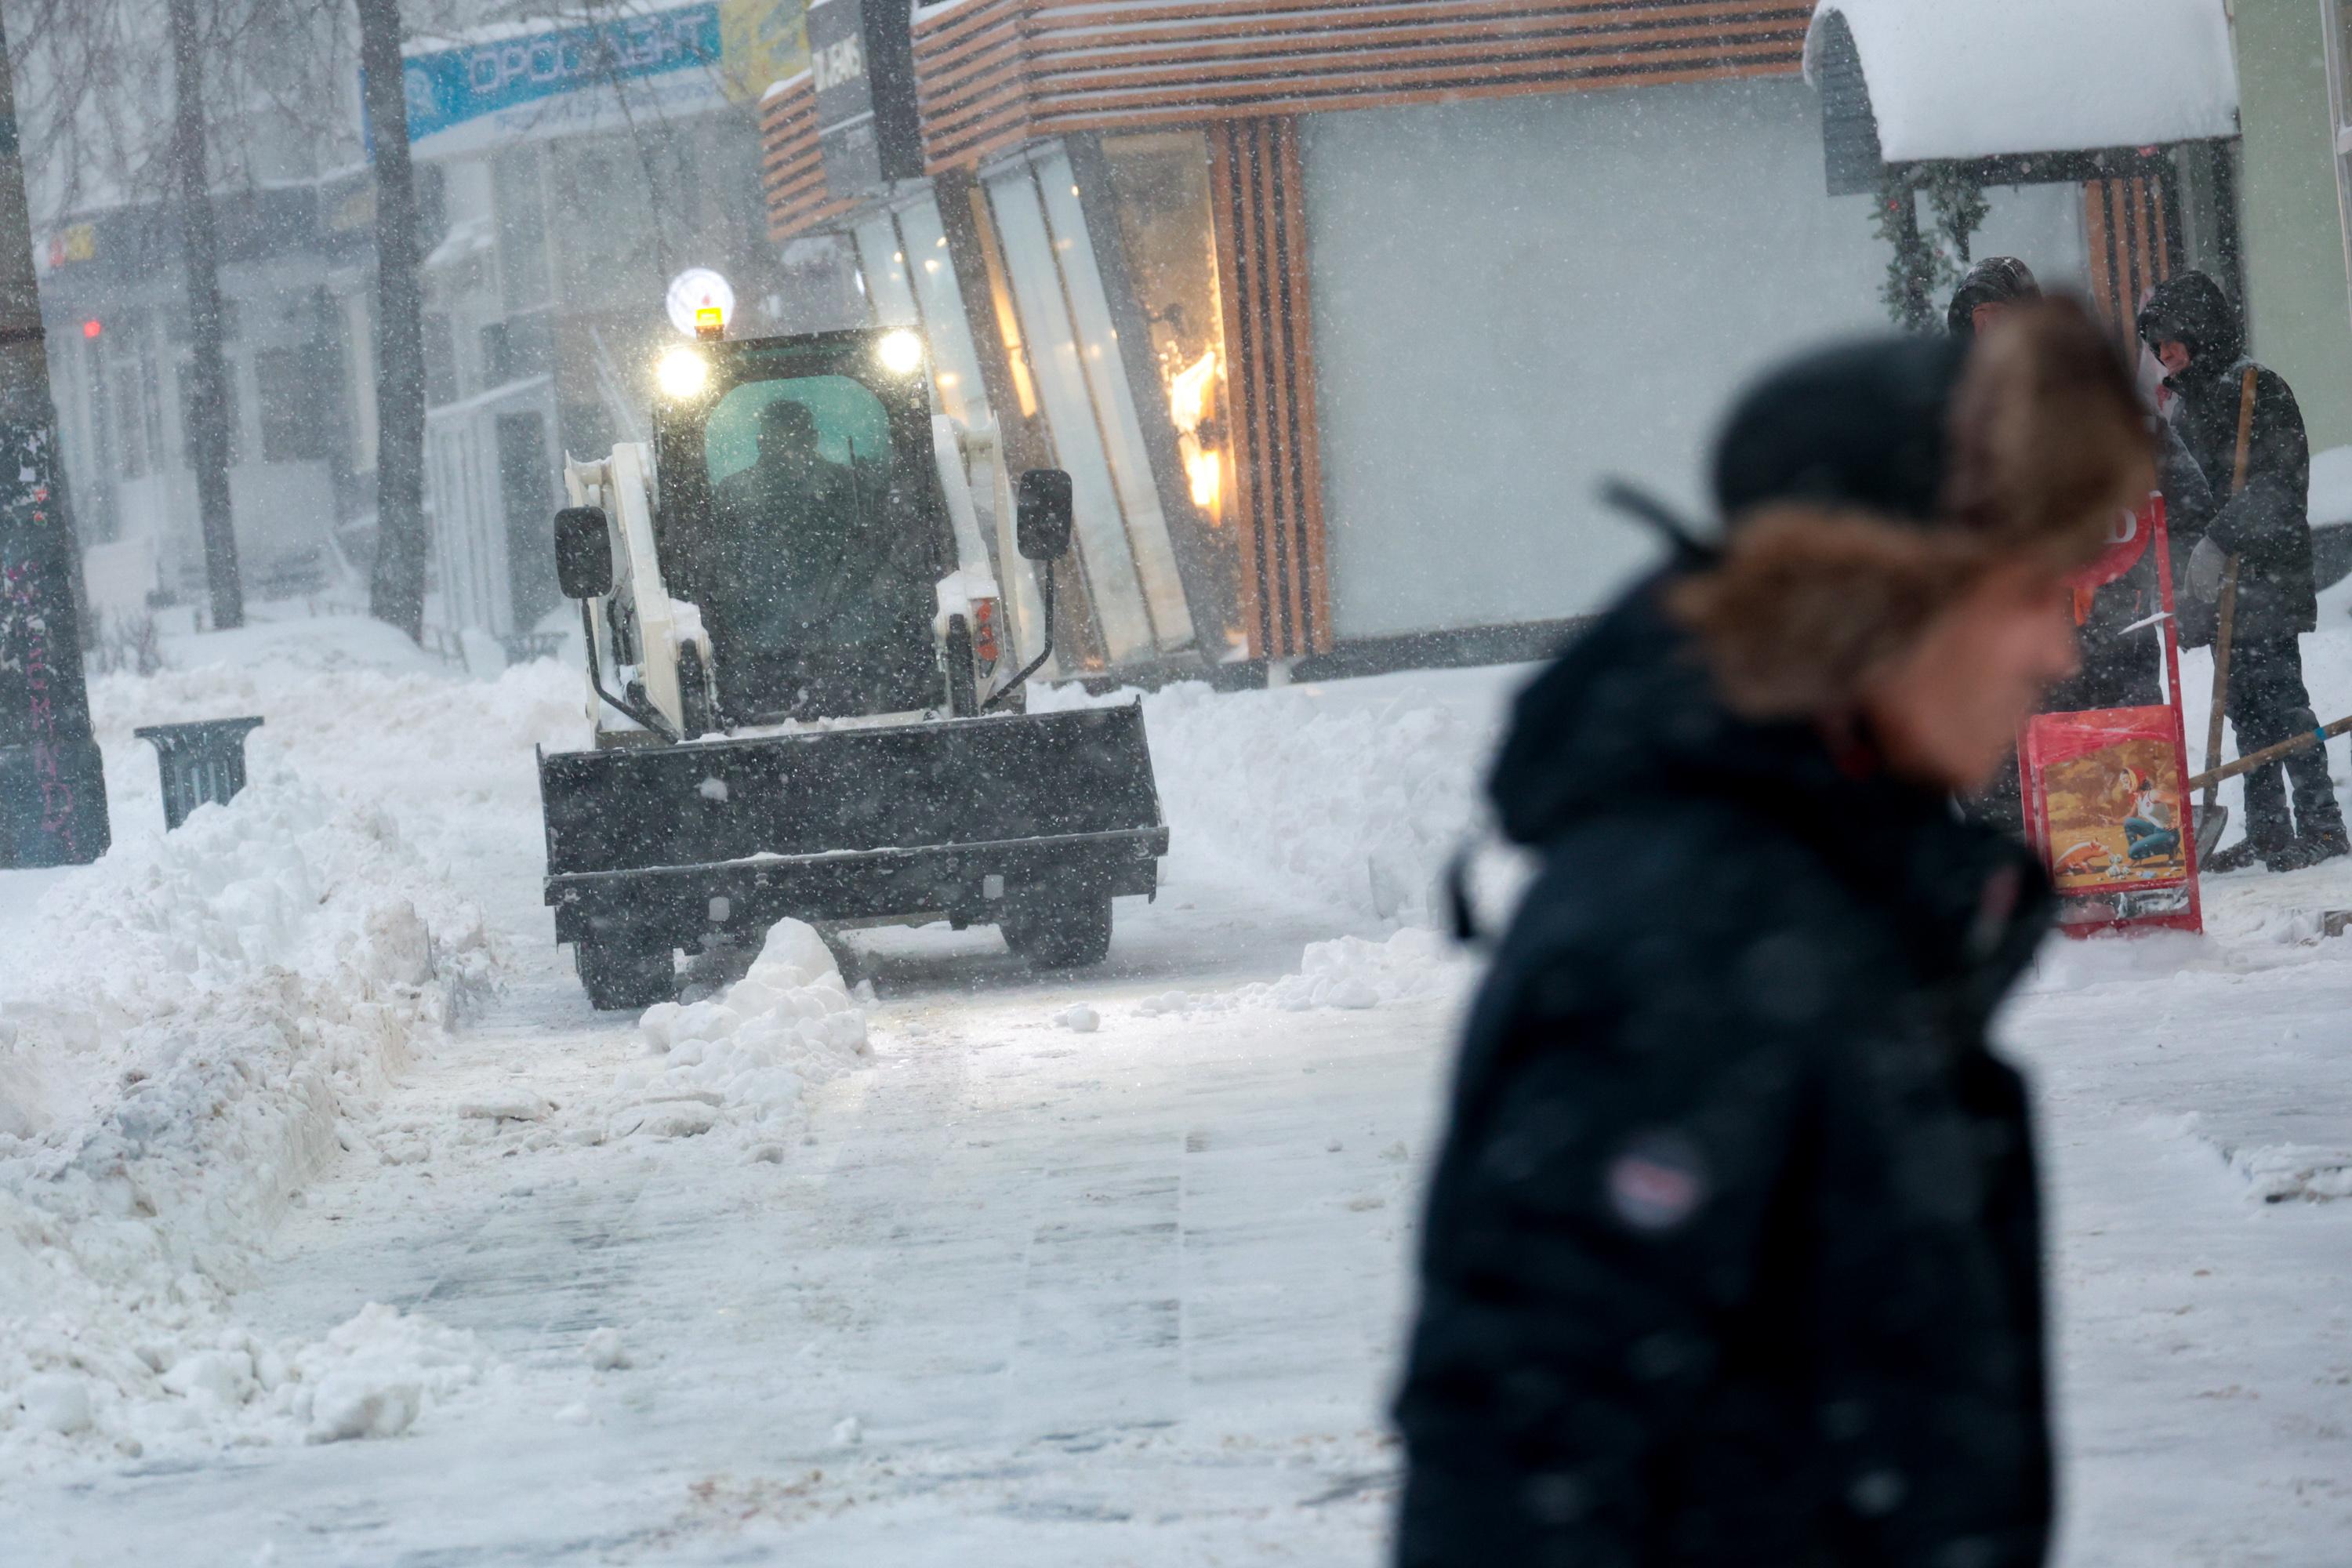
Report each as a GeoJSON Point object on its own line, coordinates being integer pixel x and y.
{"type": "Point", "coordinates": [1114, 400]}
{"type": "Point", "coordinates": [932, 272]}
{"type": "Point", "coordinates": [1109, 566]}
{"type": "Point", "coordinates": [883, 265]}
{"type": "Point", "coordinates": [1515, 298]}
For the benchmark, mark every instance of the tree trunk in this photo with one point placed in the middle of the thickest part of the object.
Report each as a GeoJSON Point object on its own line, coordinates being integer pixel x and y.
{"type": "Point", "coordinates": [208, 407]}
{"type": "Point", "coordinates": [396, 593]}
{"type": "Point", "coordinates": [52, 780]}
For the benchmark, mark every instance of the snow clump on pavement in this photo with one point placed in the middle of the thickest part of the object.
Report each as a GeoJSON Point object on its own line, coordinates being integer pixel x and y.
{"type": "Point", "coordinates": [2280, 1172]}
{"type": "Point", "coordinates": [1348, 973]}
{"type": "Point", "coordinates": [371, 1376]}
{"type": "Point", "coordinates": [605, 1351]}
{"type": "Point", "coordinates": [749, 1054]}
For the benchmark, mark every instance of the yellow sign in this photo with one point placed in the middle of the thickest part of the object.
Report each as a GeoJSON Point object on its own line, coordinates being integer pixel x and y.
{"type": "Point", "coordinates": [761, 42]}
{"type": "Point", "coordinates": [75, 242]}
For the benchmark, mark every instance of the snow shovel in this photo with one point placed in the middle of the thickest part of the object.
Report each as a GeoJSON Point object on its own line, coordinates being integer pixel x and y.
{"type": "Point", "coordinates": [2210, 779]}
{"type": "Point", "coordinates": [2210, 816]}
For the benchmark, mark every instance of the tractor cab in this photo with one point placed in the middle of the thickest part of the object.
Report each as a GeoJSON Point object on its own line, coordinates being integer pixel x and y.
{"type": "Point", "coordinates": [804, 540]}
{"type": "Point", "coordinates": [797, 505]}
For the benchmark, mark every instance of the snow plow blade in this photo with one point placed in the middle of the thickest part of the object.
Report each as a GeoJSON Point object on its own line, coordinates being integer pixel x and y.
{"type": "Point", "coordinates": [661, 847]}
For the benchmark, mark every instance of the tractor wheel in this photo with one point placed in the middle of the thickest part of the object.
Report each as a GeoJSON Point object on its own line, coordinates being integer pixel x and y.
{"type": "Point", "coordinates": [963, 683]}
{"type": "Point", "coordinates": [617, 978]}
{"type": "Point", "coordinates": [694, 694]}
{"type": "Point", "coordinates": [1069, 934]}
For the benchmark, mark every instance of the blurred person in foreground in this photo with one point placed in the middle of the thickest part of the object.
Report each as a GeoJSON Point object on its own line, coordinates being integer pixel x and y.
{"type": "Point", "coordinates": [1732, 1255]}
{"type": "Point", "coordinates": [2241, 421]}
{"type": "Point", "coordinates": [2117, 623]}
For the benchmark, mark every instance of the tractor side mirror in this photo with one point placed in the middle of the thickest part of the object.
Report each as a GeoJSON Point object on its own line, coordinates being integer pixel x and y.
{"type": "Point", "coordinates": [583, 552]}
{"type": "Point", "coordinates": [1042, 522]}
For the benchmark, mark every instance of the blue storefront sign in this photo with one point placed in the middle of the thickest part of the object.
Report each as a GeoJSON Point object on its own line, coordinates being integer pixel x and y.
{"type": "Point", "coordinates": [503, 80]}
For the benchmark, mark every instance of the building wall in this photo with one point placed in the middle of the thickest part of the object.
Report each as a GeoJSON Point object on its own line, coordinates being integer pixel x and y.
{"type": "Point", "coordinates": [137, 482]}
{"type": "Point", "coordinates": [2296, 283]}
{"type": "Point", "coordinates": [1515, 300]}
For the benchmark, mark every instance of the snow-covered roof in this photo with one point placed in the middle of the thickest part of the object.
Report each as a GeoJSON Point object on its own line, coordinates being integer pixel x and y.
{"type": "Point", "coordinates": [1981, 79]}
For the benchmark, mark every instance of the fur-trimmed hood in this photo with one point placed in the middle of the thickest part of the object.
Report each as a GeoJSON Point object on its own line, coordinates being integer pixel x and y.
{"type": "Point", "coordinates": [1628, 721]}
{"type": "Point", "coordinates": [1868, 488]}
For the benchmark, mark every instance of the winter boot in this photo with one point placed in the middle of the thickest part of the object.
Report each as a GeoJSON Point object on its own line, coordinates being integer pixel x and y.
{"type": "Point", "coordinates": [2240, 857]}
{"type": "Point", "coordinates": [2308, 849]}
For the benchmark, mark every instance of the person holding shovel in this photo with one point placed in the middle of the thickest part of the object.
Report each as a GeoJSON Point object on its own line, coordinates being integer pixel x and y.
{"type": "Point", "coordinates": [2250, 565]}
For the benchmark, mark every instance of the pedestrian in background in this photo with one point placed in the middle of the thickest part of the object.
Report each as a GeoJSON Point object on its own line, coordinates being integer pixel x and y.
{"type": "Point", "coordinates": [1732, 1254]}
{"type": "Point", "coordinates": [2241, 422]}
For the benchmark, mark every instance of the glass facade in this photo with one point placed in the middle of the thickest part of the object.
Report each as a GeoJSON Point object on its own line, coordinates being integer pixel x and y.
{"type": "Point", "coordinates": [1115, 362]}
{"type": "Point", "coordinates": [911, 281]}
{"type": "Point", "coordinates": [2337, 15]}
{"type": "Point", "coordinates": [1160, 190]}
{"type": "Point", "coordinates": [1122, 613]}
{"type": "Point", "coordinates": [932, 275]}
{"type": "Point", "coordinates": [1101, 356]}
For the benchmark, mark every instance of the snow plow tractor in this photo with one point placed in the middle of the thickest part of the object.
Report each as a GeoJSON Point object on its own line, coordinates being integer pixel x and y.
{"type": "Point", "coordinates": [806, 686]}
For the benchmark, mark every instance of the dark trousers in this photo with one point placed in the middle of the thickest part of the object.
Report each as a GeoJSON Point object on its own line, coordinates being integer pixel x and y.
{"type": "Point", "coordinates": [2268, 704]}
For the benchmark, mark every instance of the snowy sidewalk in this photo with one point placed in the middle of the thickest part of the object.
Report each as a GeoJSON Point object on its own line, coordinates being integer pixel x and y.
{"type": "Point", "coordinates": [2195, 1121]}
{"type": "Point", "coordinates": [1011, 1292]}
{"type": "Point", "coordinates": [1128, 1295]}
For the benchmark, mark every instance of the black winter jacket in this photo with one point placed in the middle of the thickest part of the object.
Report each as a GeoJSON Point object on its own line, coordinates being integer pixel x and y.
{"type": "Point", "coordinates": [2122, 651]}
{"type": "Point", "coordinates": [1732, 1252]}
{"type": "Point", "coordinates": [2267, 525]}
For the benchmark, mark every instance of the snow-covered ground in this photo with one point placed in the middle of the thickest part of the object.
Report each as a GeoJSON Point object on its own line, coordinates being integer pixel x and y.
{"type": "Point", "coordinates": [334, 1226]}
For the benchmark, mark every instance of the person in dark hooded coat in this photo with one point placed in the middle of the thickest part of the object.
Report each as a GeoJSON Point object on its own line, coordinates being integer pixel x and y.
{"type": "Point", "coordinates": [1731, 1254]}
{"type": "Point", "coordinates": [2263, 518]}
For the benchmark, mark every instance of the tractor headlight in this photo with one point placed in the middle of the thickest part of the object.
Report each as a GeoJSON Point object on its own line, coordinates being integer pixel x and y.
{"type": "Point", "coordinates": [901, 351]}
{"type": "Point", "coordinates": [682, 374]}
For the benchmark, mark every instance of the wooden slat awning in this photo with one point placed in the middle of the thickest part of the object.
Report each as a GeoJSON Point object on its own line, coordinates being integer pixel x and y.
{"type": "Point", "coordinates": [993, 74]}
{"type": "Point", "coordinates": [792, 171]}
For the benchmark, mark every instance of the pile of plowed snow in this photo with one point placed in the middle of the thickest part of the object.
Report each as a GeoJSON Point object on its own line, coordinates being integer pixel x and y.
{"type": "Point", "coordinates": [1350, 794]}
{"type": "Point", "coordinates": [195, 1027]}
{"type": "Point", "coordinates": [210, 1011]}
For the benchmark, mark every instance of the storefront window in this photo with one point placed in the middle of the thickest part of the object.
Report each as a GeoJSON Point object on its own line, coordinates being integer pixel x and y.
{"type": "Point", "coordinates": [1000, 293]}
{"type": "Point", "coordinates": [883, 265]}
{"type": "Point", "coordinates": [1109, 562]}
{"type": "Point", "coordinates": [1160, 188]}
{"type": "Point", "coordinates": [912, 282]}
{"type": "Point", "coordinates": [930, 272]}
{"type": "Point", "coordinates": [1113, 397]}
{"type": "Point", "coordinates": [2339, 15]}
